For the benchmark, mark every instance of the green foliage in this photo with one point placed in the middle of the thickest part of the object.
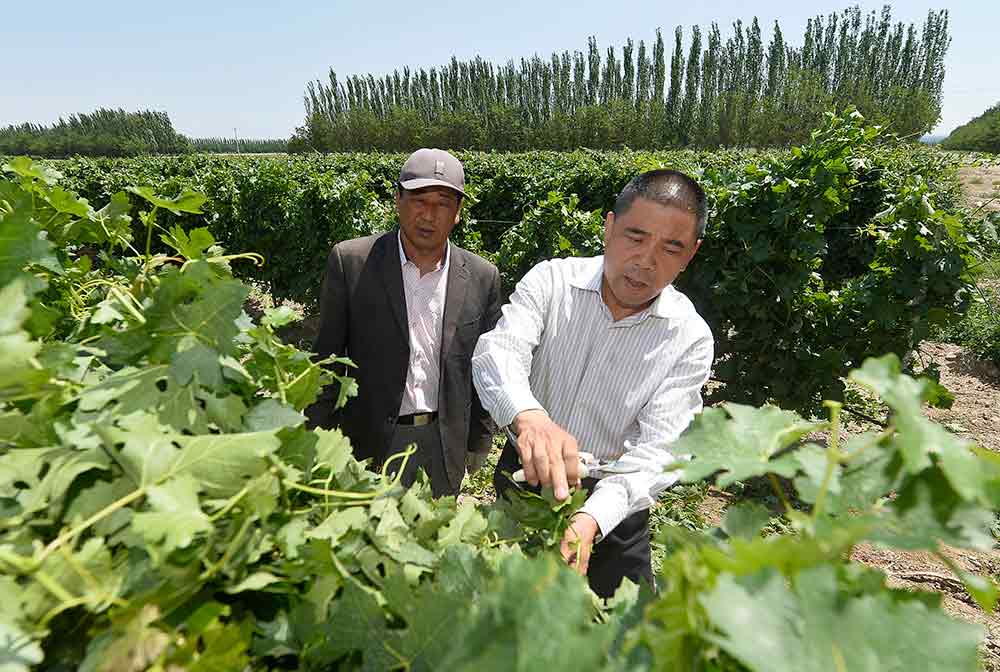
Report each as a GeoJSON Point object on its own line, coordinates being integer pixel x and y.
{"type": "Point", "coordinates": [164, 507]}
{"type": "Point", "coordinates": [979, 329]}
{"type": "Point", "coordinates": [542, 518]}
{"type": "Point", "coordinates": [820, 258]}
{"type": "Point", "coordinates": [104, 132]}
{"type": "Point", "coordinates": [732, 92]}
{"type": "Point", "coordinates": [844, 247]}
{"type": "Point", "coordinates": [982, 134]}
{"type": "Point", "coordinates": [726, 600]}
{"type": "Point", "coordinates": [809, 621]}
{"type": "Point", "coordinates": [239, 145]}
{"type": "Point", "coordinates": [554, 228]}
{"type": "Point", "coordinates": [159, 489]}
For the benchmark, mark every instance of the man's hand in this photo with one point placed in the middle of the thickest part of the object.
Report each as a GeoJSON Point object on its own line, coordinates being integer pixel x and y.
{"type": "Point", "coordinates": [578, 542]}
{"type": "Point", "coordinates": [549, 453]}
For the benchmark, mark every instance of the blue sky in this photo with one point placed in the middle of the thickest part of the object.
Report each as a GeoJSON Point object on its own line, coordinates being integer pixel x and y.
{"type": "Point", "coordinates": [214, 66]}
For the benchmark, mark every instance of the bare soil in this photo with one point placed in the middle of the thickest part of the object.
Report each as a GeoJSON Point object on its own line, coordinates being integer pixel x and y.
{"type": "Point", "coordinates": [976, 386]}
{"type": "Point", "coordinates": [981, 186]}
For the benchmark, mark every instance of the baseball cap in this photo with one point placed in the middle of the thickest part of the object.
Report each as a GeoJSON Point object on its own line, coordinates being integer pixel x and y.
{"type": "Point", "coordinates": [432, 168]}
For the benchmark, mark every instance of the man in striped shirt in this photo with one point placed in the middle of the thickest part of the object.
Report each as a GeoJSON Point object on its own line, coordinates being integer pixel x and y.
{"type": "Point", "coordinates": [604, 355]}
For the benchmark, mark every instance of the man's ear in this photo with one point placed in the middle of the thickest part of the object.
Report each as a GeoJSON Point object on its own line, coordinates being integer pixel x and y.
{"type": "Point", "coordinates": [694, 250]}
{"type": "Point", "coordinates": [609, 221]}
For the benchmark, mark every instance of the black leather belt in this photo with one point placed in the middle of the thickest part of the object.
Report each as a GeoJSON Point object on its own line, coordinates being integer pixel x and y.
{"type": "Point", "coordinates": [417, 419]}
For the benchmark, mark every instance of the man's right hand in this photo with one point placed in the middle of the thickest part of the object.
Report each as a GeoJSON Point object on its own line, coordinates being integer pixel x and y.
{"type": "Point", "coordinates": [549, 453]}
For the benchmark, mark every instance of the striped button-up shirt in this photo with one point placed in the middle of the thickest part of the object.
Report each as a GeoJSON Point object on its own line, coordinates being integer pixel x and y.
{"type": "Point", "coordinates": [623, 389]}
{"type": "Point", "coordinates": [425, 297]}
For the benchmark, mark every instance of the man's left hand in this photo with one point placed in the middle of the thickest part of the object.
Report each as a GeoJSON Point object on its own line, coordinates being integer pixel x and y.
{"type": "Point", "coordinates": [578, 542]}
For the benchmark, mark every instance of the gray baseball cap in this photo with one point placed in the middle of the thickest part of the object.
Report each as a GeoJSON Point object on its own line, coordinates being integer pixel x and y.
{"type": "Point", "coordinates": [432, 168]}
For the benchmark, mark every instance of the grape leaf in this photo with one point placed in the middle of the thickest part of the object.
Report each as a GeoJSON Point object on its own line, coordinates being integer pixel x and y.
{"type": "Point", "coordinates": [191, 246]}
{"type": "Point", "coordinates": [25, 167]}
{"type": "Point", "coordinates": [741, 442]}
{"type": "Point", "coordinates": [745, 520]}
{"type": "Point", "coordinates": [873, 471]}
{"type": "Point", "coordinates": [194, 357]}
{"type": "Point", "coordinates": [176, 515]}
{"type": "Point", "coordinates": [189, 201]}
{"type": "Point", "coordinates": [22, 243]}
{"type": "Point", "coordinates": [271, 414]}
{"type": "Point", "coordinates": [466, 526]}
{"type": "Point", "coordinates": [18, 651]}
{"type": "Point", "coordinates": [927, 511]}
{"type": "Point", "coordinates": [918, 438]}
{"type": "Point", "coordinates": [502, 632]}
{"type": "Point", "coordinates": [811, 627]}
{"type": "Point", "coordinates": [21, 376]}
{"type": "Point", "coordinates": [223, 463]}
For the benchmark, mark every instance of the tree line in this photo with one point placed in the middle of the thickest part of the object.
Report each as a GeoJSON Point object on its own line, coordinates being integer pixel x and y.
{"type": "Point", "coordinates": [709, 91]}
{"type": "Point", "coordinates": [115, 132]}
{"type": "Point", "coordinates": [104, 132]}
{"type": "Point", "coordinates": [982, 134]}
{"type": "Point", "coordinates": [219, 145]}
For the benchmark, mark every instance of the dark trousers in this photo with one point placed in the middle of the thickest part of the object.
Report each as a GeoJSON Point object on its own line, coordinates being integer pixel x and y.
{"type": "Point", "coordinates": [429, 456]}
{"type": "Point", "coordinates": [624, 553]}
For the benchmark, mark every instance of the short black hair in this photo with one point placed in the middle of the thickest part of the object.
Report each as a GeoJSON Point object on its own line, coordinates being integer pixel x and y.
{"type": "Point", "coordinates": [666, 187]}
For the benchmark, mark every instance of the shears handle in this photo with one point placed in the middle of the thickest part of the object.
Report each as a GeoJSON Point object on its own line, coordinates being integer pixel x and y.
{"type": "Point", "coordinates": [587, 462]}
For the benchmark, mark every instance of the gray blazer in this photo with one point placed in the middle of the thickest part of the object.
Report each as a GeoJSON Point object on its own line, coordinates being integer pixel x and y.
{"type": "Point", "coordinates": [363, 316]}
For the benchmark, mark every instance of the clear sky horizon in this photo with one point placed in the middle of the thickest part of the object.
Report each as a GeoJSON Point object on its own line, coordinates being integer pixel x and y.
{"type": "Point", "coordinates": [216, 66]}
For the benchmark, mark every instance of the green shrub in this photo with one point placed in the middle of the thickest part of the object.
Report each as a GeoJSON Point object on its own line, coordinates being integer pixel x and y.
{"type": "Point", "coordinates": [814, 258]}
{"type": "Point", "coordinates": [979, 329]}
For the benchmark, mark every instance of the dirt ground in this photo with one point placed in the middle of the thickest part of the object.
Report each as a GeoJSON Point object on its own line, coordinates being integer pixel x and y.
{"type": "Point", "coordinates": [976, 386]}
{"type": "Point", "coordinates": [981, 185]}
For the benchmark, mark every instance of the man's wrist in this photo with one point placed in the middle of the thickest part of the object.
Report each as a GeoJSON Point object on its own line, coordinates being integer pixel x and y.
{"type": "Point", "coordinates": [526, 417]}
{"type": "Point", "coordinates": [584, 518]}
{"type": "Point", "coordinates": [608, 505]}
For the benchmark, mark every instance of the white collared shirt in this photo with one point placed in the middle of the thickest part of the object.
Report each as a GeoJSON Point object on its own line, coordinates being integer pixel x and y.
{"type": "Point", "coordinates": [425, 297]}
{"type": "Point", "coordinates": [623, 389]}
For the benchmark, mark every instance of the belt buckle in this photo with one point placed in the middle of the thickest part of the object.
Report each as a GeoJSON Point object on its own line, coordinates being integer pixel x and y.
{"type": "Point", "coordinates": [420, 419]}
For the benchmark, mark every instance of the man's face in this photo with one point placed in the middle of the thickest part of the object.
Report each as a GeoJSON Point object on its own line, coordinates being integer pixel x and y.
{"type": "Point", "coordinates": [427, 216]}
{"type": "Point", "coordinates": [645, 249]}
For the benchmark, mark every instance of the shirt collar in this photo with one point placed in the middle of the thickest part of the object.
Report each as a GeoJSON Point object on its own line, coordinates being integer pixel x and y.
{"type": "Point", "coordinates": [441, 265]}
{"type": "Point", "coordinates": [591, 274]}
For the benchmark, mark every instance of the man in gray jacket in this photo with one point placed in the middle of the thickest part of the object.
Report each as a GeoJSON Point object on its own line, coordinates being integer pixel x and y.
{"type": "Point", "coordinates": [407, 307]}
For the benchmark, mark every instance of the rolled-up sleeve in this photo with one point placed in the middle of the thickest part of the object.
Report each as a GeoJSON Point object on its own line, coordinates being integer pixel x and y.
{"type": "Point", "coordinates": [667, 414]}
{"type": "Point", "coordinates": [501, 363]}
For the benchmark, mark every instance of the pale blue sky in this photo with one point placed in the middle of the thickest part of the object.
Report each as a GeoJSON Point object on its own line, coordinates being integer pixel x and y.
{"type": "Point", "coordinates": [217, 65]}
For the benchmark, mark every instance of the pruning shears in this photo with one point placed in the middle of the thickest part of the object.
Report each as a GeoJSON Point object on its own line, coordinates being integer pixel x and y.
{"type": "Point", "coordinates": [591, 467]}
